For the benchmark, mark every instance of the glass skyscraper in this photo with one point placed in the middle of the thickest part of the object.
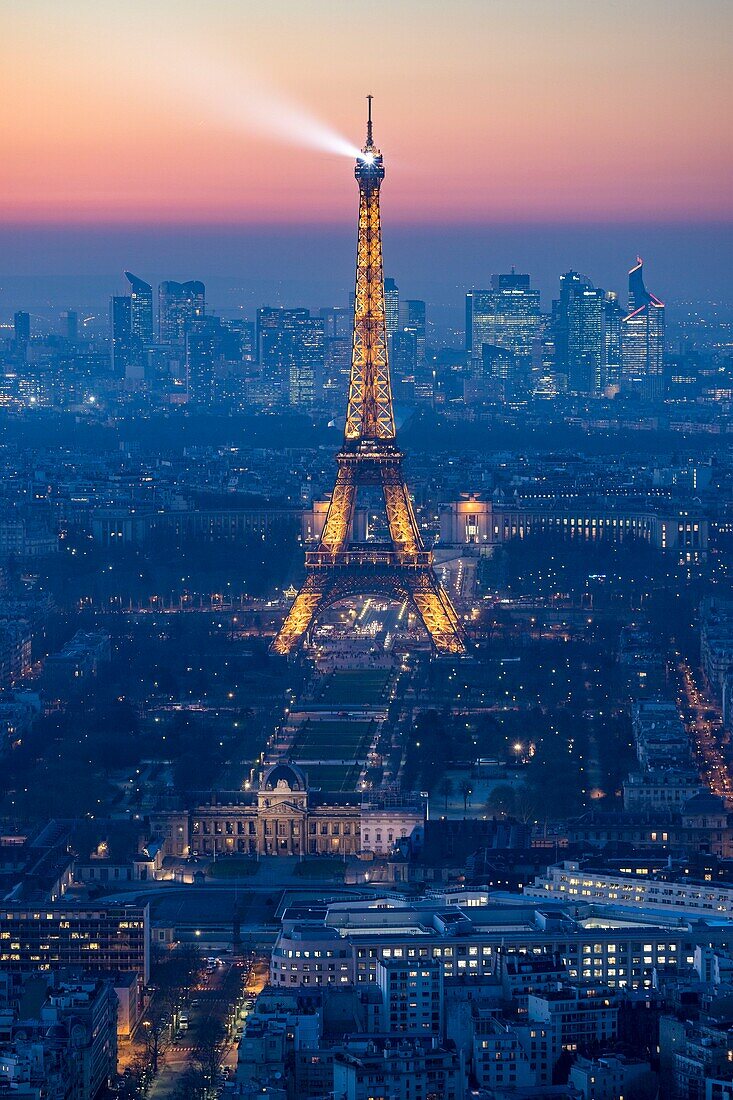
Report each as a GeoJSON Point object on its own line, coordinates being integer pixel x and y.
{"type": "Point", "coordinates": [642, 338]}
{"type": "Point", "coordinates": [506, 317]}
{"type": "Point", "coordinates": [292, 350]}
{"type": "Point", "coordinates": [579, 325]}
{"type": "Point", "coordinates": [391, 306]}
{"type": "Point", "coordinates": [141, 308]}
{"type": "Point", "coordinates": [179, 305]}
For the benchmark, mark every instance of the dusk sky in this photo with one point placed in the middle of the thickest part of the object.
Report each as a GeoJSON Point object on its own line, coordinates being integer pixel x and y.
{"type": "Point", "coordinates": [486, 110]}
{"type": "Point", "coordinates": [134, 120]}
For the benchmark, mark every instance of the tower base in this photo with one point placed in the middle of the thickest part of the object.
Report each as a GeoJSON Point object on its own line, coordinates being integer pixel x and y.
{"type": "Point", "coordinates": [419, 586]}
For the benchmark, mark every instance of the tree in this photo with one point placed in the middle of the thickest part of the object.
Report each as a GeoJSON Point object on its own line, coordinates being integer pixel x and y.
{"type": "Point", "coordinates": [446, 789]}
{"type": "Point", "coordinates": [502, 801]}
{"type": "Point", "coordinates": [131, 1083]}
{"type": "Point", "coordinates": [156, 1033]}
{"type": "Point", "coordinates": [175, 972]}
{"type": "Point", "coordinates": [192, 1085]}
{"type": "Point", "coordinates": [209, 1052]}
{"type": "Point", "coordinates": [466, 791]}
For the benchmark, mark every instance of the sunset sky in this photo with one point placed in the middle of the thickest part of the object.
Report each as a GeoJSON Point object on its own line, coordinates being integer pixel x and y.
{"type": "Point", "coordinates": [487, 111]}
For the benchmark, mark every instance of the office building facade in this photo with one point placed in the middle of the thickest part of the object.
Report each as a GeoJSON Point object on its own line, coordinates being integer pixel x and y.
{"type": "Point", "coordinates": [642, 338]}
{"type": "Point", "coordinates": [179, 305]}
{"type": "Point", "coordinates": [506, 317]}
{"type": "Point", "coordinates": [141, 308]}
{"type": "Point", "coordinates": [578, 317]}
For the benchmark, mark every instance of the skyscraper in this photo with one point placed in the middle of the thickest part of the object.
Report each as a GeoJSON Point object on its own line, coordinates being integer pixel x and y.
{"type": "Point", "coordinates": [21, 332]}
{"type": "Point", "coordinates": [404, 364]}
{"type": "Point", "coordinates": [141, 308]}
{"type": "Point", "coordinates": [307, 363]}
{"type": "Point", "coordinates": [642, 338]}
{"type": "Point", "coordinates": [292, 350]}
{"type": "Point", "coordinates": [413, 320]}
{"type": "Point", "coordinates": [391, 305]}
{"type": "Point", "coordinates": [179, 305]}
{"type": "Point", "coordinates": [337, 320]}
{"type": "Point", "coordinates": [213, 350]}
{"type": "Point", "coordinates": [70, 325]}
{"type": "Point", "coordinates": [579, 333]}
{"type": "Point", "coordinates": [121, 342]}
{"type": "Point", "coordinates": [612, 317]}
{"type": "Point", "coordinates": [505, 317]}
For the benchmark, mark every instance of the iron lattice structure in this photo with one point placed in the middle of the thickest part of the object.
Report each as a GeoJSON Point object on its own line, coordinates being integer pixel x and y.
{"type": "Point", "coordinates": [402, 568]}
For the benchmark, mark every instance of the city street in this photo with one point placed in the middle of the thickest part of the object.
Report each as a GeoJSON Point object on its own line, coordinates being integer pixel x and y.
{"type": "Point", "coordinates": [704, 725]}
{"type": "Point", "coordinates": [216, 998]}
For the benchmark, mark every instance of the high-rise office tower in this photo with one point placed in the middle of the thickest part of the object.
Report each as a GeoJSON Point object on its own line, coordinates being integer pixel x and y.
{"type": "Point", "coordinates": [21, 332]}
{"type": "Point", "coordinates": [642, 338]}
{"type": "Point", "coordinates": [505, 317]}
{"type": "Point", "coordinates": [579, 333]}
{"type": "Point", "coordinates": [213, 348]}
{"type": "Point", "coordinates": [141, 308]}
{"type": "Point", "coordinates": [245, 331]}
{"type": "Point", "coordinates": [121, 342]}
{"type": "Point", "coordinates": [337, 321]}
{"type": "Point", "coordinates": [413, 320]}
{"type": "Point", "coordinates": [612, 317]}
{"type": "Point", "coordinates": [70, 325]}
{"type": "Point", "coordinates": [307, 363]}
{"type": "Point", "coordinates": [404, 364]}
{"type": "Point", "coordinates": [292, 350]}
{"type": "Point", "coordinates": [337, 366]}
{"type": "Point", "coordinates": [391, 306]}
{"type": "Point", "coordinates": [179, 305]}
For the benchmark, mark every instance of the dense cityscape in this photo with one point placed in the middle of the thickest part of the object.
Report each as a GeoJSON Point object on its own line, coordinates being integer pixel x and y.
{"type": "Point", "coordinates": [366, 683]}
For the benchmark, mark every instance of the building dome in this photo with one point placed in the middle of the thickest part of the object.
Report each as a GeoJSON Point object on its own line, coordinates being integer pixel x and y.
{"type": "Point", "coordinates": [282, 777]}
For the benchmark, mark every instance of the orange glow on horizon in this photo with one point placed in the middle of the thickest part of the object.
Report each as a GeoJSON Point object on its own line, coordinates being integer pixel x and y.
{"type": "Point", "coordinates": [485, 112]}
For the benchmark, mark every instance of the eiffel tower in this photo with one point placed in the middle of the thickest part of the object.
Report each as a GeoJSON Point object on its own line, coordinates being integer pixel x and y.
{"type": "Point", "coordinates": [400, 569]}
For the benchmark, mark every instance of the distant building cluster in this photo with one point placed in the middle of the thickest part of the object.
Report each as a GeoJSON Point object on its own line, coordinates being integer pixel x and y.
{"type": "Point", "coordinates": [590, 345]}
{"type": "Point", "coordinates": [171, 346]}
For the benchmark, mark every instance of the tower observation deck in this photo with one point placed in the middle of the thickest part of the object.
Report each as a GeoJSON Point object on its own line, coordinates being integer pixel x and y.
{"type": "Point", "coordinates": [400, 568]}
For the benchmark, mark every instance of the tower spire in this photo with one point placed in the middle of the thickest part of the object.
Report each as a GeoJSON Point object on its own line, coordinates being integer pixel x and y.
{"type": "Point", "coordinates": [370, 138]}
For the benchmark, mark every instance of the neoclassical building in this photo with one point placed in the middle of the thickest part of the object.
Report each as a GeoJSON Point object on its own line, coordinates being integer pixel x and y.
{"type": "Point", "coordinates": [284, 817]}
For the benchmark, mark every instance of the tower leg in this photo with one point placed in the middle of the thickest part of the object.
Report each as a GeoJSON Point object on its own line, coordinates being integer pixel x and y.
{"type": "Point", "coordinates": [400, 514]}
{"type": "Point", "coordinates": [337, 528]}
{"type": "Point", "coordinates": [301, 615]}
{"type": "Point", "coordinates": [437, 613]}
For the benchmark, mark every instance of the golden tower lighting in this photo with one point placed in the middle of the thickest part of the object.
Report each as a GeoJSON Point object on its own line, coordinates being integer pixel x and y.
{"type": "Point", "coordinates": [400, 569]}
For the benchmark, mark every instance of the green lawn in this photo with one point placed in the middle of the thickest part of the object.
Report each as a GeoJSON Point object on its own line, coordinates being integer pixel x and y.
{"type": "Point", "coordinates": [355, 687]}
{"type": "Point", "coordinates": [334, 777]}
{"type": "Point", "coordinates": [318, 740]}
{"type": "Point", "coordinates": [320, 868]}
{"type": "Point", "coordinates": [233, 867]}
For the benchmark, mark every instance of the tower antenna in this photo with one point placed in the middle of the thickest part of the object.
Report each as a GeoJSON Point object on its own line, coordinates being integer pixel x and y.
{"type": "Point", "coordinates": [369, 140]}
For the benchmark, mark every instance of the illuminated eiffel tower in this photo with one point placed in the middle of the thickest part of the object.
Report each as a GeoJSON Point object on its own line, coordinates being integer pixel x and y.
{"type": "Point", "coordinates": [400, 569]}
